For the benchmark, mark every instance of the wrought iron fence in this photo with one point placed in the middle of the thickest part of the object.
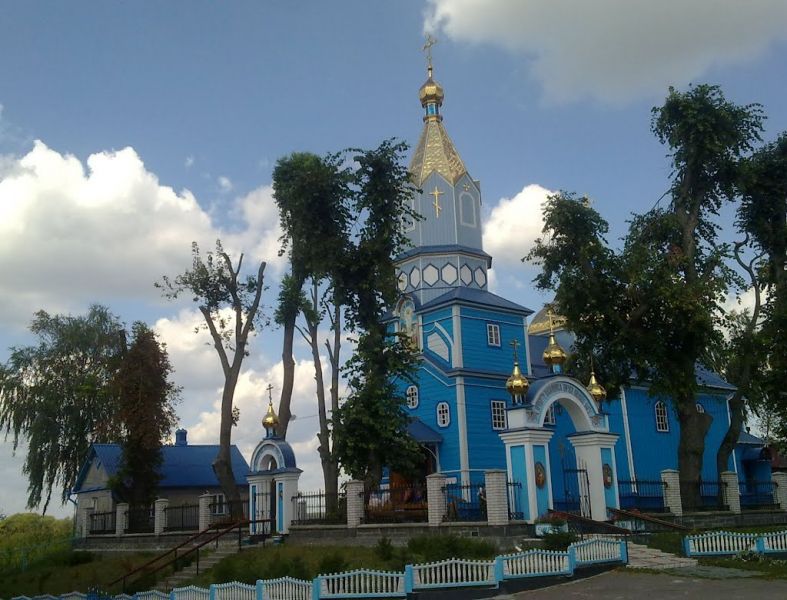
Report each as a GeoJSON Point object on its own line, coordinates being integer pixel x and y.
{"type": "Point", "coordinates": [709, 492]}
{"type": "Point", "coordinates": [102, 522]}
{"type": "Point", "coordinates": [140, 519]}
{"type": "Point", "coordinates": [397, 504]}
{"type": "Point", "coordinates": [643, 494]}
{"type": "Point", "coordinates": [757, 494]}
{"type": "Point", "coordinates": [182, 518]}
{"type": "Point", "coordinates": [515, 512]}
{"type": "Point", "coordinates": [465, 502]}
{"type": "Point", "coordinates": [228, 511]}
{"type": "Point", "coordinates": [310, 508]}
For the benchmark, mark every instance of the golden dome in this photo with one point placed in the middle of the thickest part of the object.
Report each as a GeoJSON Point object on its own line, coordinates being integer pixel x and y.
{"type": "Point", "coordinates": [431, 92]}
{"type": "Point", "coordinates": [595, 389]}
{"type": "Point", "coordinates": [270, 420]}
{"type": "Point", "coordinates": [517, 384]}
{"type": "Point", "coordinates": [554, 353]}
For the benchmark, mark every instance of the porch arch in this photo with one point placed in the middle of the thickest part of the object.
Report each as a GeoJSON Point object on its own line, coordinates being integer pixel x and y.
{"type": "Point", "coordinates": [572, 396]}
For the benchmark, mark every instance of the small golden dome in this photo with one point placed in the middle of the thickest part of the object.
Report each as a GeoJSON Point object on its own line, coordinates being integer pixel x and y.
{"type": "Point", "coordinates": [431, 92]}
{"type": "Point", "coordinates": [270, 420]}
{"type": "Point", "coordinates": [517, 384]}
{"type": "Point", "coordinates": [554, 353]}
{"type": "Point", "coordinates": [595, 389]}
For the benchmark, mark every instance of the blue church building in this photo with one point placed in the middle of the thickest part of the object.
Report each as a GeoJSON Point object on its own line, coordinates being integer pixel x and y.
{"type": "Point", "coordinates": [555, 435]}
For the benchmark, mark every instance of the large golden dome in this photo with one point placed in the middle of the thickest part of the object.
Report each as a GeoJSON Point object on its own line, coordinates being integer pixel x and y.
{"type": "Point", "coordinates": [270, 420]}
{"type": "Point", "coordinates": [431, 92]}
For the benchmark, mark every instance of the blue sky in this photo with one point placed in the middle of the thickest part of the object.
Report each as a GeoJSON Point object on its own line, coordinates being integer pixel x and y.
{"type": "Point", "coordinates": [160, 123]}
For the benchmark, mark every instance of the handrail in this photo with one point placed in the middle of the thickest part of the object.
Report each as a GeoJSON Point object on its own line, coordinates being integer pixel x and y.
{"type": "Point", "coordinates": [610, 528]}
{"type": "Point", "coordinates": [645, 517]}
{"type": "Point", "coordinates": [213, 538]}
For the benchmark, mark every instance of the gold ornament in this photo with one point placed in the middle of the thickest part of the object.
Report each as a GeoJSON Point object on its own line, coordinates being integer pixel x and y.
{"type": "Point", "coordinates": [517, 384]}
{"type": "Point", "coordinates": [595, 389]}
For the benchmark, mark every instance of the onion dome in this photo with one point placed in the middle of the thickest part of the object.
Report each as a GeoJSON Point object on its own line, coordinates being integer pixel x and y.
{"type": "Point", "coordinates": [517, 384]}
{"type": "Point", "coordinates": [595, 389]}
{"type": "Point", "coordinates": [431, 92]}
{"type": "Point", "coordinates": [270, 421]}
{"type": "Point", "coordinates": [554, 355]}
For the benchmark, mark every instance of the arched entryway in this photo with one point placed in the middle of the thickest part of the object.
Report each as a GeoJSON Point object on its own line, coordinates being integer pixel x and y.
{"type": "Point", "coordinates": [528, 456]}
{"type": "Point", "coordinates": [273, 482]}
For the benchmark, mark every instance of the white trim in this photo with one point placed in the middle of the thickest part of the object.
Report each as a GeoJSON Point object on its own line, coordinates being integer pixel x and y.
{"type": "Point", "coordinates": [456, 320]}
{"type": "Point", "coordinates": [729, 420]}
{"type": "Point", "coordinates": [414, 396]}
{"type": "Point", "coordinates": [656, 415]}
{"type": "Point", "coordinates": [461, 415]}
{"type": "Point", "coordinates": [526, 349]}
{"type": "Point", "coordinates": [492, 333]}
{"type": "Point", "coordinates": [447, 407]}
{"type": "Point", "coordinates": [627, 433]}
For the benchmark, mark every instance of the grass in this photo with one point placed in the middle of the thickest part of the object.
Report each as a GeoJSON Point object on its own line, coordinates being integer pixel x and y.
{"type": "Point", "coordinates": [770, 568]}
{"type": "Point", "coordinates": [69, 571]}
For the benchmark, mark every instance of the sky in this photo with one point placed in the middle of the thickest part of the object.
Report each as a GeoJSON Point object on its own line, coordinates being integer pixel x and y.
{"type": "Point", "coordinates": [130, 129]}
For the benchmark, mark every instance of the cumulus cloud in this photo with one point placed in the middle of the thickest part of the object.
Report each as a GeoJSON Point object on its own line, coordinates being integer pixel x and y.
{"type": "Point", "coordinates": [615, 50]}
{"type": "Point", "coordinates": [514, 224]}
{"type": "Point", "coordinates": [225, 185]}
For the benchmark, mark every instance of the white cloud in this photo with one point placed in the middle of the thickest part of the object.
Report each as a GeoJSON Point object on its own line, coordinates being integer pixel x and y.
{"type": "Point", "coordinates": [615, 50]}
{"type": "Point", "coordinates": [514, 224]}
{"type": "Point", "coordinates": [189, 162]}
{"type": "Point", "coordinates": [225, 185]}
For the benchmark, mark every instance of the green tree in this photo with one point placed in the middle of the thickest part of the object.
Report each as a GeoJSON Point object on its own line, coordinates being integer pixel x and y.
{"type": "Point", "coordinates": [57, 396]}
{"type": "Point", "coordinates": [146, 398]}
{"type": "Point", "coordinates": [655, 306]}
{"type": "Point", "coordinates": [229, 304]}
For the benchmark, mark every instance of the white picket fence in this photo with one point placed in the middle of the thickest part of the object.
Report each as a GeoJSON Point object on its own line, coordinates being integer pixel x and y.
{"type": "Point", "coordinates": [286, 588]}
{"type": "Point", "coordinates": [599, 550]}
{"type": "Point", "coordinates": [190, 593]}
{"type": "Point", "coordinates": [362, 583]}
{"type": "Point", "coordinates": [719, 543]}
{"type": "Point", "coordinates": [453, 572]}
{"type": "Point", "coordinates": [234, 591]}
{"type": "Point", "coordinates": [535, 563]}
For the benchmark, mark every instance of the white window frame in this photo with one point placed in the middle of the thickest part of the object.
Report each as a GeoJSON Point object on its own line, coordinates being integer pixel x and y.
{"type": "Point", "coordinates": [549, 416]}
{"type": "Point", "coordinates": [700, 408]}
{"type": "Point", "coordinates": [219, 504]}
{"type": "Point", "coordinates": [662, 417]}
{"type": "Point", "coordinates": [497, 410]}
{"type": "Point", "coordinates": [412, 396]}
{"type": "Point", "coordinates": [443, 411]}
{"type": "Point", "coordinates": [493, 334]}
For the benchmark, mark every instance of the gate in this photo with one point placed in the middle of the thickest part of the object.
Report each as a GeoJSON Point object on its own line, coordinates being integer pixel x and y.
{"type": "Point", "coordinates": [576, 487]}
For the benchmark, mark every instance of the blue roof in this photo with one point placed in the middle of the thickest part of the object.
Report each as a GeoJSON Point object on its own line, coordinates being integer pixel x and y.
{"type": "Point", "coordinates": [478, 297]}
{"type": "Point", "coordinates": [750, 440]}
{"type": "Point", "coordinates": [422, 433]}
{"type": "Point", "coordinates": [182, 465]}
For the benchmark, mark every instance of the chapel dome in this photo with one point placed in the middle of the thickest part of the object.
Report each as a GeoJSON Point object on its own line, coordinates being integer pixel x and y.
{"type": "Point", "coordinates": [431, 92]}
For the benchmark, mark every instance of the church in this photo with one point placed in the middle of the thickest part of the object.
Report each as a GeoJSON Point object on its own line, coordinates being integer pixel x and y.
{"type": "Point", "coordinates": [490, 392]}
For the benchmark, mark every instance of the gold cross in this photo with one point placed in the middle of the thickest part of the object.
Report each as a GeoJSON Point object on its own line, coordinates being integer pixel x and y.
{"type": "Point", "coordinates": [515, 344]}
{"type": "Point", "coordinates": [270, 390]}
{"type": "Point", "coordinates": [436, 193]}
{"type": "Point", "coordinates": [430, 41]}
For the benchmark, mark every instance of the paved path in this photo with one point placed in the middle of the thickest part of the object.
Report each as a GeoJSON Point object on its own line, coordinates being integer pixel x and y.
{"type": "Point", "coordinates": [642, 557]}
{"type": "Point", "coordinates": [630, 585]}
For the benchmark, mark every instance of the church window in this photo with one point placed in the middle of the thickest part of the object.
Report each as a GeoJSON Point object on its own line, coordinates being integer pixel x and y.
{"type": "Point", "coordinates": [498, 414]}
{"type": "Point", "coordinates": [443, 414]}
{"type": "Point", "coordinates": [662, 419]}
{"type": "Point", "coordinates": [493, 334]}
{"type": "Point", "coordinates": [412, 396]}
{"type": "Point", "coordinates": [549, 417]}
{"type": "Point", "coordinates": [700, 408]}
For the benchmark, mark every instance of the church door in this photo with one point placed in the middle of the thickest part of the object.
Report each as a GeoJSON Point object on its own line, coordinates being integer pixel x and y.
{"type": "Point", "coordinates": [576, 485]}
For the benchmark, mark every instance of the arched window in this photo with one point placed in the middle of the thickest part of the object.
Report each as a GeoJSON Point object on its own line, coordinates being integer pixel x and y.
{"type": "Point", "coordinates": [662, 419]}
{"type": "Point", "coordinates": [700, 408]}
{"type": "Point", "coordinates": [412, 396]}
{"type": "Point", "coordinates": [443, 414]}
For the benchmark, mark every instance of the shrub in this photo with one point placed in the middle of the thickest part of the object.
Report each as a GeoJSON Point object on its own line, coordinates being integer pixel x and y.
{"type": "Point", "coordinates": [384, 549]}
{"type": "Point", "coordinates": [558, 540]}
{"type": "Point", "coordinates": [430, 548]}
{"type": "Point", "coordinates": [334, 562]}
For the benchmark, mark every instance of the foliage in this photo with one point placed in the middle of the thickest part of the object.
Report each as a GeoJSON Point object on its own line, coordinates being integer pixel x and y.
{"type": "Point", "coordinates": [57, 395]}
{"type": "Point", "coordinates": [229, 304]}
{"type": "Point", "coordinates": [384, 549]}
{"type": "Point", "coordinates": [28, 539]}
{"type": "Point", "coordinates": [654, 307]}
{"type": "Point", "coordinates": [558, 540]}
{"type": "Point", "coordinates": [145, 409]}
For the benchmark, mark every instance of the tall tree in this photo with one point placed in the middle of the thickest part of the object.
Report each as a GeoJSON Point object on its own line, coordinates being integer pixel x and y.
{"type": "Point", "coordinates": [58, 397]}
{"type": "Point", "coordinates": [656, 305]}
{"type": "Point", "coordinates": [146, 411]}
{"type": "Point", "coordinates": [229, 304]}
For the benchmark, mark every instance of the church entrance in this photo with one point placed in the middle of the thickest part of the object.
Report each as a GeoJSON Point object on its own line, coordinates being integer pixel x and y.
{"type": "Point", "coordinates": [576, 493]}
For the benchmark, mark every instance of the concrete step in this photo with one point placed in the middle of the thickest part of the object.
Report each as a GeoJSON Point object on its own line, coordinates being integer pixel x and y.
{"type": "Point", "coordinates": [206, 561]}
{"type": "Point", "coordinates": [643, 557]}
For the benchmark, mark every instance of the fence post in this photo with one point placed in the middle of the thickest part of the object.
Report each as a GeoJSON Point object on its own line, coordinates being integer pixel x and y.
{"type": "Point", "coordinates": [759, 544]}
{"type": "Point", "coordinates": [672, 501]}
{"type": "Point", "coordinates": [173, 595]}
{"type": "Point", "coordinates": [84, 526]}
{"type": "Point", "coordinates": [732, 493]}
{"type": "Point", "coordinates": [355, 507]}
{"type": "Point", "coordinates": [435, 493]}
{"type": "Point", "coordinates": [120, 518]}
{"type": "Point", "coordinates": [624, 551]}
{"type": "Point", "coordinates": [409, 579]}
{"type": "Point", "coordinates": [496, 497]}
{"type": "Point", "coordinates": [160, 515]}
{"type": "Point", "coordinates": [499, 570]}
{"type": "Point", "coordinates": [204, 511]}
{"type": "Point", "coordinates": [572, 559]}
{"type": "Point", "coordinates": [259, 590]}
{"type": "Point", "coordinates": [780, 491]}
{"type": "Point", "coordinates": [686, 546]}
{"type": "Point", "coordinates": [315, 587]}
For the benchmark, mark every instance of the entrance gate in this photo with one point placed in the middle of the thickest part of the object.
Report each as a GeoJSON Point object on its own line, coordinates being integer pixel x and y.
{"type": "Point", "coordinates": [576, 486]}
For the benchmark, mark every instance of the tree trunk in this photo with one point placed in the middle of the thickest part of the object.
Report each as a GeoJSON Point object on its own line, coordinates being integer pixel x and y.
{"type": "Point", "coordinates": [693, 428]}
{"type": "Point", "coordinates": [288, 378]}
{"type": "Point", "coordinates": [736, 405]}
{"type": "Point", "coordinates": [222, 464]}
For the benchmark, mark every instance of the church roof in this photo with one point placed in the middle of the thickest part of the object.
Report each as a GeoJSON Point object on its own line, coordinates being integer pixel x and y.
{"type": "Point", "coordinates": [436, 152]}
{"type": "Point", "coordinates": [477, 297]}
{"type": "Point", "coordinates": [182, 465]}
{"type": "Point", "coordinates": [422, 433]}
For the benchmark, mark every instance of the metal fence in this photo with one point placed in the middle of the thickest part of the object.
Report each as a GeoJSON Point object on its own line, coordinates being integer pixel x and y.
{"type": "Point", "coordinates": [140, 520]}
{"type": "Point", "coordinates": [465, 502]}
{"type": "Point", "coordinates": [709, 494]}
{"type": "Point", "coordinates": [757, 494]}
{"type": "Point", "coordinates": [228, 511]}
{"type": "Point", "coordinates": [643, 495]}
{"type": "Point", "coordinates": [515, 512]}
{"type": "Point", "coordinates": [182, 518]}
{"type": "Point", "coordinates": [311, 508]}
{"type": "Point", "coordinates": [396, 504]}
{"type": "Point", "coordinates": [103, 522]}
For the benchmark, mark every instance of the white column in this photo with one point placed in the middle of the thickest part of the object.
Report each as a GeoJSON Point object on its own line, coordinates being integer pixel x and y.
{"type": "Point", "coordinates": [732, 493]}
{"type": "Point", "coordinates": [528, 438]}
{"type": "Point", "coordinates": [288, 492]}
{"type": "Point", "coordinates": [160, 515]}
{"type": "Point", "coordinates": [496, 485]}
{"type": "Point", "coordinates": [120, 518]}
{"type": "Point", "coordinates": [588, 451]}
{"type": "Point", "coordinates": [461, 416]}
{"type": "Point", "coordinates": [672, 500]}
{"type": "Point", "coordinates": [355, 511]}
{"type": "Point", "coordinates": [780, 489]}
{"type": "Point", "coordinates": [204, 511]}
{"type": "Point", "coordinates": [435, 494]}
{"type": "Point", "coordinates": [83, 526]}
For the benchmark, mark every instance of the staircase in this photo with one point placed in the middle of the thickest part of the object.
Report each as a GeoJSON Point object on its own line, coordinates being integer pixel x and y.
{"type": "Point", "coordinates": [207, 559]}
{"type": "Point", "coordinates": [643, 557]}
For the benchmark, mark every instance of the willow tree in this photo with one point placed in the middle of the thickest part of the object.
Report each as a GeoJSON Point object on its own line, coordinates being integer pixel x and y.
{"type": "Point", "coordinates": [655, 306]}
{"type": "Point", "coordinates": [229, 302]}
